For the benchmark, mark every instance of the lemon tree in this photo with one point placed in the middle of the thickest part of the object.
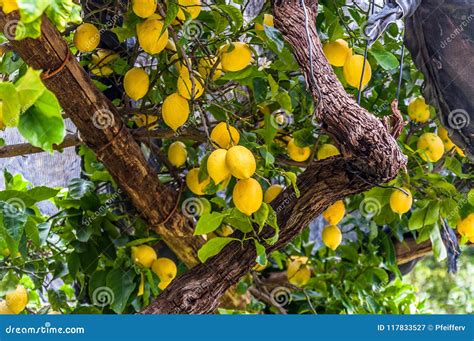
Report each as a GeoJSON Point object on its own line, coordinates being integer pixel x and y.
{"type": "Point", "coordinates": [220, 109]}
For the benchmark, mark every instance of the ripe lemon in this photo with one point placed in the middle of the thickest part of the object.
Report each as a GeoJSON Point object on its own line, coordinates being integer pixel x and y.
{"type": "Point", "coordinates": [335, 212]}
{"type": "Point", "coordinates": [175, 111]}
{"type": "Point", "coordinates": [247, 196]}
{"type": "Point", "coordinates": [332, 236]}
{"type": "Point", "coordinates": [4, 309]}
{"type": "Point", "coordinates": [327, 150]}
{"type": "Point", "coordinates": [177, 154]}
{"type": "Point", "coordinates": [235, 56]}
{"type": "Point", "coordinates": [150, 36]}
{"type": "Point", "coordinates": [143, 255]}
{"type": "Point", "coordinates": [225, 136]}
{"type": "Point", "coordinates": [418, 110]}
{"type": "Point", "coordinates": [271, 193]}
{"type": "Point", "coordinates": [465, 227]}
{"type": "Point", "coordinates": [86, 38]}
{"type": "Point", "coordinates": [185, 84]}
{"type": "Point", "coordinates": [136, 83]}
{"type": "Point", "coordinates": [352, 71]}
{"type": "Point", "coordinates": [193, 183]}
{"type": "Point", "coordinates": [241, 162]}
{"type": "Point", "coordinates": [297, 272]}
{"type": "Point", "coordinates": [17, 299]}
{"type": "Point", "coordinates": [9, 6]}
{"type": "Point", "coordinates": [193, 7]}
{"type": "Point", "coordinates": [336, 52]}
{"type": "Point", "coordinates": [217, 166]}
{"type": "Point", "coordinates": [206, 66]}
{"type": "Point", "coordinates": [296, 153]}
{"type": "Point", "coordinates": [400, 202]}
{"type": "Point", "coordinates": [431, 147]}
{"type": "Point", "coordinates": [100, 62]}
{"type": "Point", "coordinates": [267, 21]}
{"type": "Point", "coordinates": [166, 271]}
{"type": "Point", "coordinates": [144, 8]}
{"type": "Point", "coordinates": [145, 120]}
{"type": "Point", "coordinates": [448, 144]}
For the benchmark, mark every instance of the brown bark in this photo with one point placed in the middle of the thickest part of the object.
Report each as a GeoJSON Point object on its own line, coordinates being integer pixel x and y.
{"type": "Point", "coordinates": [102, 129]}
{"type": "Point", "coordinates": [370, 156]}
{"type": "Point", "coordinates": [21, 149]}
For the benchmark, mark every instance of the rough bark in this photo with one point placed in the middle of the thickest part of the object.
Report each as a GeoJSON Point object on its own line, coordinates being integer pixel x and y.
{"type": "Point", "coordinates": [370, 156]}
{"type": "Point", "coordinates": [102, 129]}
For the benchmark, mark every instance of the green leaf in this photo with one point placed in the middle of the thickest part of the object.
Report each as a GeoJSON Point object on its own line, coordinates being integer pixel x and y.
{"type": "Point", "coordinates": [8, 283]}
{"type": "Point", "coordinates": [12, 223]}
{"type": "Point", "coordinates": [424, 216]}
{"type": "Point", "coordinates": [32, 233]}
{"type": "Point", "coordinates": [270, 130]}
{"type": "Point", "coordinates": [120, 281]}
{"type": "Point", "coordinates": [30, 10]}
{"type": "Point", "coordinates": [292, 178]}
{"type": "Point", "coordinates": [261, 215]}
{"type": "Point", "coordinates": [42, 124]}
{"type": "Point", "coordinates": [62, 12]}
{"type": "Point", "coordinates": [213, 247]}
{"type": "Point", "coordinates": [284, 99]}
{"type": "Point", "coordinates": [272, 222]}
{"type": "Point", "coordinates": [439, 249]}
{"type": "Point", "coordinates": [236, 20]}
{"type": "Point", "coordinates": [239, 220]}
{"type": "Point", "coordinates": [29, 88]}
{"type": "Point", "coordinates": [384, 58]}
{"type": "Point", "coordinates": [10, 104]}
{"type": "Point", "coordinates": [172, 10]}
{"type": "Point", "coordinates": [78, 188]}
{"type": "Point", "coordinates": [261, 253]}
{"type": "Point", "coordinates": [73, 263]}
{"type": "Point", "coordinates": [29, 30]}
{"type": "Point", "coordinates": [208, 222]}
{"type": "Point", "coordinates": [470, 197]}
{"type": "Point", "coordinates": [276, 41]}
{"type": "Point", "coordinates": [42, 193]}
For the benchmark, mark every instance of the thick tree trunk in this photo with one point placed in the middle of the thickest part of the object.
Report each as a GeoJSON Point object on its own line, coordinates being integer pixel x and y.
{"type": "Point", "coordinates": [102, 129]}
{"type": "Point", "coordinates": [370, 156]}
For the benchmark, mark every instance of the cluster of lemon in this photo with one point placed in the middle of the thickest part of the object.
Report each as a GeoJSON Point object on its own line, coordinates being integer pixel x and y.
{"type": "Point", "coordinates": [145, 256]}
{"type": "Point", "coordinates": [298, 271]}
{"type": "Point", "coordinates": [332, 236]}
{"type": "Point", "coordinates": [153, 39]}
{"type": "Point", "coordinates": [15, 301]}
{"type": "Point", "coordinates": [339, 54]}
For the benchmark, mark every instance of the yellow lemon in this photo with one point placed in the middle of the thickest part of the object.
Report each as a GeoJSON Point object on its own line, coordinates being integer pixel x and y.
{"type": "Point", "coordinates": [175, 111]}
{"type": "Point", "coordinates": [136, 83]}
{"type": "Point", "coordinates": [4, 309]}
{"type": "Point", "coordinates": [143, 255]}
{"type": "Point", "coordinates": [193, 7]}
{"type": "Point", "coordinates": [298, 272]}
{"type": "Point", "coordinates": [217, 166]}
{"type": "Point", "coordinates": [465, 227]}
{"type": "Point", "coordinates": [141, 286]}
{"type": "Point", "coordinates": [17, 299]}
{"type": "Point", "coordinates": [185, 84]}
{"type": "Point", "coordinates": [166, 271]}
{"type": "Point", "coordinates": [352, 71]}
{"type": "Point", "coordinates": [335, 212]}
{"type": "Point", "coordinates": [267, 21]}
{"type": "Point", "coordinates": [177, 154]}
{"type": "Point", "coordinates": [418, 110]}
{"type": "Point", "coordinates": [448, 144]}
{"type": "Point", "coordinates": [86, 38]}
{"type": "Point", "coordinates": [296, 153]}
{"type": "Point", "coordinates": [332, 236]}
{"type": "Point", "coordinates": [170, 45]}
{"type": "Point", "coordinates": [336, 52]}
{"type": "Point", "coordinates": [207, 65]}
{"type": "Point", "coordinates": [225, 136]}
{"type": "Point", "coordinates": [145, 120]}
{"type": "Point", "coordinates": [150, 36]}
{"type": "Point", "coordinates": [327, 150]}
{"type": "Point", "coordinates": [100, 62]}
{"type": "Point", "coordinates": [144, 8]}
{"type": "Point", "coordinates": [247, 196]}
{"type": "Point", "coordinates": [235, 56]}
{"type": "Point", "coordinates": [431, 147]}
{"type": "Point", "coordinates": [400, 202]}
{"type": "Point", "coordinates": [193, 183]}
{"type": "Point", "coordinates": [271, 193]}
{"type": "Point", "coordinates": [9, 6]}
{"type": "Point", "coordinates": [241, 162]}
